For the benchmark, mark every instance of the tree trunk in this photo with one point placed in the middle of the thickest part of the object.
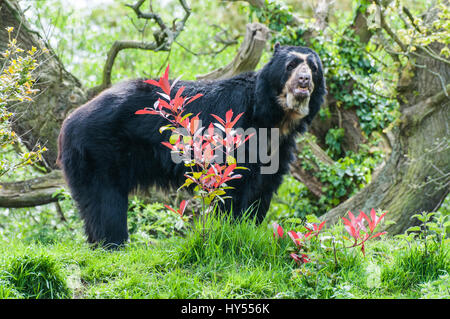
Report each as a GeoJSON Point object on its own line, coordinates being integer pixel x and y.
{"type": "Point", "coordinates": [416, 177]}
{"type": "Point", "coordinates": [59, 91]}
{"type": "Point", "coordinates": [307, 177]}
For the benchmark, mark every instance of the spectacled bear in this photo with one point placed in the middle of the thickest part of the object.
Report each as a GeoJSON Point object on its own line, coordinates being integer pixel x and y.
{"type": "Point", "coordinates": [106, 150]}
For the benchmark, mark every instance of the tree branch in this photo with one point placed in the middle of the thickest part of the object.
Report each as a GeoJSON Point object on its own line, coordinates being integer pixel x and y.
{"type": "Point", "coordinates": [307, 176]}
{"type": "Point", "coordinates": [34, 192]}
{"type": "Point", "coordinates": [386, 27]}
{"type": "Point", "coordinates": [163, 39]}
{"type": "Point", "coordinates": [255, 3]}
{"type": "Point", "coordinates": [122, 45]}
{"type": "Point", "coordinates": [226, 42]}
{"type": "Point", "coordinates": [248, 55]}
{"type": "Point", "coordinates": [413, 115]}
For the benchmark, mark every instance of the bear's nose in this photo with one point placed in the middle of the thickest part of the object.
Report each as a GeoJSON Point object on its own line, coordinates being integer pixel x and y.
{"type": "Point", "coordinates": [304, 79]}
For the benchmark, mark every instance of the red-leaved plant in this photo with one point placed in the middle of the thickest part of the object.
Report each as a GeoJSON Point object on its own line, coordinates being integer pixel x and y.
{"type": "Point", "coordinates": [354, 226]}
{"type": "Point", "coordinates": [197, 146]}
{"type": "Point", "coordinates": [300, 240]}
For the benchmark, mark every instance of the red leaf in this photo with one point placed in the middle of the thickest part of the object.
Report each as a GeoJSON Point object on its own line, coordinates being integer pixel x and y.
{"type": "Point", "coordinates": [369, 221]}
{"type": "Point", "coordinates": [164, 104]}
{"type": "Point", "coordinates": [346, 221]}
{"type": "Point", "coordinates": [229, 169]}
{"type": "Point", "coordinates": [352, 218]}
{"type": "Point", "coordinates": [378, 234]}
{"type": "Point", "coordinates": [321, 225]}
{"type": "Point", "coordinates": [166, 72]}
{"type": "Point", "coordinates": [218, 119]}
{"type": "Point", "coordinates": [305, 258]}
{"type": "Point", "coordinates": [164, 82]}
{"type": "Point", "coordinates": [229, 116]}
{"type": "Point", "coordinates": [168, 207]}
{"type": "Point", "coordinates": [278, 230]}
{"type": "Point", "coordinates": [180, 90]}
{"type": "Point", "coordinates": [378, 219]}
{"type": "Point", "coordinates": [183, 205]}
{"type": "Point", "coordinates": [152, 82]}
{"type": "Point", "coordinates": [236, 119]}
{"type": "Point", "coordinates": [168, 145]}
{"type": "Point", "coordinates": [295, 238]}
{"type": "Point", "coordinates": [145, 111]}
{"type": "Point", "coordinates": [373, 214]}
{"type": "Point", "coordinates": [192, 99]}
{"type": "Point", "coordinates": [297, 258]}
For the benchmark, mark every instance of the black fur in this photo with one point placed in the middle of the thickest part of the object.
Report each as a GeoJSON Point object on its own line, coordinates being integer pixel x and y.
{"type": "Point", "coordinates": [106, 150]}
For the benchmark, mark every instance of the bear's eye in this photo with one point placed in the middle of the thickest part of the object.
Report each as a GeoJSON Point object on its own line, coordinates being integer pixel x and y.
{"type": "Point", "coordinates": [291, 65]}
{"type": "Point", "coordinates": [312, 64]}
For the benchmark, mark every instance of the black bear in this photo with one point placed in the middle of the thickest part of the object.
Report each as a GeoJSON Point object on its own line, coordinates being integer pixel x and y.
{"type": "Point", "coordinates": [106, 150]}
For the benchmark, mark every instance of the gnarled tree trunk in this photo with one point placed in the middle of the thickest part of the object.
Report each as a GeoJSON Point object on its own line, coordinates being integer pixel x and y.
{"type": "Point", "coordinates": [416, 177]}
{"type": "Point", "coordinates": [59, 91]}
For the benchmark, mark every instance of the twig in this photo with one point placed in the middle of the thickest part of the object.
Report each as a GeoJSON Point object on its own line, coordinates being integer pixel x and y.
{"type": "Point", "coordinates": [411, 18]}
{"type": "Point", "coordinates": [60, 212]}
{"type": "Point", "coordinates": [386, 27]}
{"type": "Point", "coordinates": [163, 38]}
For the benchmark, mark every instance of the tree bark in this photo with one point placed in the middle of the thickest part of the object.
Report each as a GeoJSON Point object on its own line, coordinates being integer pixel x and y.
{"type": "Point", "coordinates": [416, 177]}
{"type": "Point", "coordinates": [41, 191]}
{"type": "Point", "coordinates": [307, 176]}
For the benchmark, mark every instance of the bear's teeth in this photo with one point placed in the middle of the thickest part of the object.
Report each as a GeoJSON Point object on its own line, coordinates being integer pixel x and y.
{"type": "Point", "coordinates": [301, 90]}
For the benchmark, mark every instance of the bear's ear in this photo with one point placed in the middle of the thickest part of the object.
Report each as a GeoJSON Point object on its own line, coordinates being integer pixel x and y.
{"type": "Point", "coordinates": [276, 47]}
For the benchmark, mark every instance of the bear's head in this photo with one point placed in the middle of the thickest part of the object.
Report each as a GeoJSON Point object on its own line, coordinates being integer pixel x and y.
{"type": "Point", "coordinates": [291, 84]}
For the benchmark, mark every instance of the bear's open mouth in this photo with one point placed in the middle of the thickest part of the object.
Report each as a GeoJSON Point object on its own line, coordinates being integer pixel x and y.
{"type": "Point", "coordinates": [301, 92]}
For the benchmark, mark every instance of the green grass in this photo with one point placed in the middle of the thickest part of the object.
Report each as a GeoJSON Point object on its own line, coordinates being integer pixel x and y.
{"type": "Point", "coordinates": [229, 260]}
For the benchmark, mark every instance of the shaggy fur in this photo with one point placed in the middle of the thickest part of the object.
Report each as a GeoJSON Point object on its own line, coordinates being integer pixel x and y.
{"type": "Point", "coordinates": [106, 150]}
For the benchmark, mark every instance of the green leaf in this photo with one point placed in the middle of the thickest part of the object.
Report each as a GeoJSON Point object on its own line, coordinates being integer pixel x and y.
{"type": "Point", "coordinates": [414, 228]}
{"type": "Point", "coordinates": [187, 139]}
{"type": "Point", "coordinates": [166, 127]}
{"type": "Point", "coordinates": [174, 138]}
{"type": "Point", "coordinates": [312, 219]}
{"type": "Point", "coordinates": [231, 160]}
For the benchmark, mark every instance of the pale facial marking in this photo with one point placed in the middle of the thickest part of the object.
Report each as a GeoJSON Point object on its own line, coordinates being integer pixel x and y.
{"type": "Point", "coordinates": [300, 55]}
{"type": "Point", "coordinates": [301, 107]}
{"type": "Point", "coordinates": [287, 97]}
{"type": "Point", "coordinates": [295, 97]}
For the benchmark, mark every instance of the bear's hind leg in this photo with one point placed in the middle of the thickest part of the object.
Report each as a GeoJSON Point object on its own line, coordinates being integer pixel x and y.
{"type": "Point", "coordinates": [104, 212]}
